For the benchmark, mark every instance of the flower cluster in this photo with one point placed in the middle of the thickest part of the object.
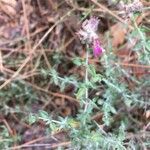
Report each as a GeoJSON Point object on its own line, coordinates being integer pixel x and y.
{"type": "Point", "coordinates": [88, 35]}
{"type": "Point", "coordinates": [127, 10]}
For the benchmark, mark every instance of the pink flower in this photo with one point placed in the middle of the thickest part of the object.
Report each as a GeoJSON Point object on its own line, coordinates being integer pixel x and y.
{"type": "Point", "coordinates": [87, 34]}
{"type": "Point", "coordinates": [88, 31]}
{"type": "Point", "coordinates": [97, 49]}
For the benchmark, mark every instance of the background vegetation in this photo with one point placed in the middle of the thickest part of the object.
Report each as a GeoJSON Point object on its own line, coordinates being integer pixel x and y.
{"type": "Point", "coordinates": [46, 102]}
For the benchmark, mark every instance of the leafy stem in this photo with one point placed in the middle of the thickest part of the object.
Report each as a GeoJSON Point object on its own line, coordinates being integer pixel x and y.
{"type": "Point", "coordinates": [86, 77]}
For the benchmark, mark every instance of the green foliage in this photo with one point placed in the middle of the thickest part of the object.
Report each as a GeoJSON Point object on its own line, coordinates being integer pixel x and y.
{"type": "Point", "coordinates": [115, 98]}
{"type": "Point", "coordinates": [5, 139]}
{"type": "Point", "coordinates": [62, 82]}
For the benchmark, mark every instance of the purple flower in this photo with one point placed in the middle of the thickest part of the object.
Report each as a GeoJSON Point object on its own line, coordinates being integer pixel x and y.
{"type": "Point", "coordinates": [87, 34]}
{"type": "Point", "coordinates": [97, 49]}
{"type": "Point", "coordinates": [88, 31]}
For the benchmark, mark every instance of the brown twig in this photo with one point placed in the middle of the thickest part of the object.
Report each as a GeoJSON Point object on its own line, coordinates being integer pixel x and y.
{"type": "Point", "coordinates": [54, 94]}
{"type": "Point", "coordinates": [134, 65]}
{"type": "Point", "coordinates": [64, 144]}
{"type": "Point", "coordinates": [28, 143]}
{"type": "Point", "coordinates": [124, 64]}
{"type": "Point", "coordinates": [33, 50]}
{"type": "Point", "coordinates": [8, 127]}
{"type": "Point", "coordinates": [105, 9]}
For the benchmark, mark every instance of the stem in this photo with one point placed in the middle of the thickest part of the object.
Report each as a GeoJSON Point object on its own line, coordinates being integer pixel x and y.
{"type": "Point", "coordinates": [86, 74]}
{"type": "Point", "coordinates": [86, 77]}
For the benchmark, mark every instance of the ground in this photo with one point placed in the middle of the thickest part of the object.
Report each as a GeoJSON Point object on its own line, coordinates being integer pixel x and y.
{"type": "Point", "coordinates": [56, 94]}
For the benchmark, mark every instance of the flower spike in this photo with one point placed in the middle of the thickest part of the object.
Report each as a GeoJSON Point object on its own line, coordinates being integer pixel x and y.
{"type": "Point", "coordinates": [87, 34]}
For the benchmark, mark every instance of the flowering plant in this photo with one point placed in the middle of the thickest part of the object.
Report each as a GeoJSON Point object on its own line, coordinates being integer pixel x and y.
{"type": "Point", "coordinates": [88, 35]}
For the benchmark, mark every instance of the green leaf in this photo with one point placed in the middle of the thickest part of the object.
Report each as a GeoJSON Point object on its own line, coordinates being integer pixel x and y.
{"type": "Point", "coordinates": [81, 92]}
{"type": "Point", "coordinates": [77, 61]}
{"type": "Point", "coordinates": [54, 75]}
{"type": "Point", "coordinates": [91, 70]}
{"type": "Point", "coordinates": [43, 114]}
{"type": "Point", "coordinates": [96, 78]}
{"type": "Point", "coordinates": [32, 119]}
{"type": "Point", "coordinates": [121, 135]}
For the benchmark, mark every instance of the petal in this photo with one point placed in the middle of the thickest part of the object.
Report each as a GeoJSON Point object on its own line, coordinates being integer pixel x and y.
{"type": "Point", "coordinates": [97, 49]}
